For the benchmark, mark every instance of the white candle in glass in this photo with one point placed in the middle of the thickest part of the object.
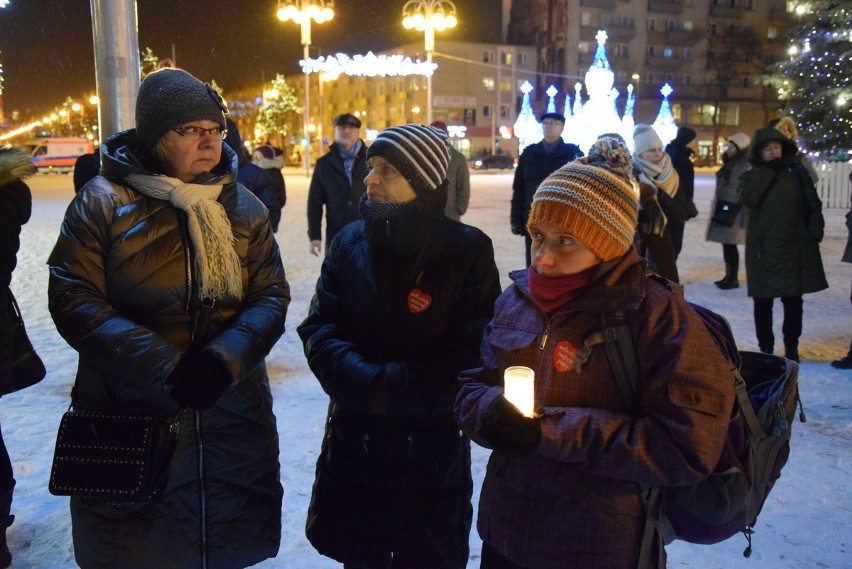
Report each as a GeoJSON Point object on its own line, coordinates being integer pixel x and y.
{"type": "Point", "coordinates": [519, 388]}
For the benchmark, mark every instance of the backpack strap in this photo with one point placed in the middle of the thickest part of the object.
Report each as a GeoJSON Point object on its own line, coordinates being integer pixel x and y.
{"type": "Point", "coordinates": [624, 364]}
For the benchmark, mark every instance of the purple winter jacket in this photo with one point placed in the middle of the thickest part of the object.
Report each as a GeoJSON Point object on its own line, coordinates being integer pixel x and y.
{"type": "Point", "coordinates": [576, 501]}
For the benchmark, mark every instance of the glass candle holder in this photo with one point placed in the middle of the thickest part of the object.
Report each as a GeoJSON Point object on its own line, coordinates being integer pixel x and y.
{"type": "Point", "coordinates": [519, 388]}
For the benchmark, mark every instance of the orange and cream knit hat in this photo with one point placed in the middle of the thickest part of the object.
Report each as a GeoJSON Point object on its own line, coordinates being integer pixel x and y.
{"type": "Point", "coordinates": [595, 199]}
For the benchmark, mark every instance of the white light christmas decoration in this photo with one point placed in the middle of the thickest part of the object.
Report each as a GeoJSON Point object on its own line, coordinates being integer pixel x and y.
{"type": "Point", "coordinates": [369, 65]}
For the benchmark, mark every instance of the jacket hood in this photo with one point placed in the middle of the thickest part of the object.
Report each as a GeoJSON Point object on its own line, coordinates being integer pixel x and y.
{"type": "Point", "coordinates": [15, 164]}
{"type": "Point", "coordinates": [764, 135]}
{"type": "Point", "coordinates": [123, 154]}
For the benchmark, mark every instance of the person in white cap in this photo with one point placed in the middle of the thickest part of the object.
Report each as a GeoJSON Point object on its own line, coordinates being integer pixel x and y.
{"type": "Point", "coordinates": [727, 216]}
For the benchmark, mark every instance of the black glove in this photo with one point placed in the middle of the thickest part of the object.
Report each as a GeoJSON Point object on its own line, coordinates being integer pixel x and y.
{"type": "Point", "coordinates": [776, 164]}
{"type": "Point", "coordinates": [507, 431]}
{"type": "Point", "coordinates": [198, 380]}
{"type": "Point", "coordinates": [519, 229]}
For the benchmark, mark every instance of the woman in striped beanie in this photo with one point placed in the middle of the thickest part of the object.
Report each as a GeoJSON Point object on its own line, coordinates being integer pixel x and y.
{"type": "Point", "coordinates": [399, 312]}
{"type": "Point", "coordinates": [562, 488]}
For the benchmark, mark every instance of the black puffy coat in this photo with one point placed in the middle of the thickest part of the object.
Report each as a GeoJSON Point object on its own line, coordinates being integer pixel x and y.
{"type": "Point", "coordinates": [399, 311]}
{"type": "Point", "coordinates": [119, 293]}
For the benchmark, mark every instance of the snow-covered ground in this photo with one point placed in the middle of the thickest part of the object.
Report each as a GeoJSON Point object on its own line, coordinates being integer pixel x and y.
{"type": "Point", "coordinates": [806, 522]}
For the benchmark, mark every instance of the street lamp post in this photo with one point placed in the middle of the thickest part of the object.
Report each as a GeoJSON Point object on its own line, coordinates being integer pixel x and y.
{"type": "Point", "coordinates": [429, 16]}
{"type": "Point", "coordinates": [302, 12]}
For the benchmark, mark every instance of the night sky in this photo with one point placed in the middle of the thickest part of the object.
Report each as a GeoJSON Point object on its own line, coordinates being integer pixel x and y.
{"type": "Point", "coordinates": [46, 45]}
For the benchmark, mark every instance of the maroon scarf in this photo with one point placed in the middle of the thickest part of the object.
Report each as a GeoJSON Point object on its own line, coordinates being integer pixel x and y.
{"type": "Point", "coordinates": [550, 293]}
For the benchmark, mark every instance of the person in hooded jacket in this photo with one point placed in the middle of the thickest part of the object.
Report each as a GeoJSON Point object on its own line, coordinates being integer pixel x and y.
{"type": "Point", "coordinates": [253, 177]}
{"type": "Point", "coordinates": [783, 232]}
{"type": "Point", "coordinates": [15, 209]}
{"type": "Point", "coordinates": [168, 282]}
{"type": "Point", "coordinates": [734, 163]}
{"type": "Point", "coordinates": [399, 310]}
{"type": "Point", "coordinates": [563, 489]}
{"type": "Point", "coordinates": [271, 159]}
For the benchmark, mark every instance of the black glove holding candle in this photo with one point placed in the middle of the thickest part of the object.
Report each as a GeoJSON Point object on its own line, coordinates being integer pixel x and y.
{"type": "Point", "coordinates": [507, 431]}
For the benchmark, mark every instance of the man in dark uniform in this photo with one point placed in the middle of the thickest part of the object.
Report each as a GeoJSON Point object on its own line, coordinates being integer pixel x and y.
{"type": "Point", "coordinates": [337, 183]}
{"type": "Point", "coordinates": [537, 162]}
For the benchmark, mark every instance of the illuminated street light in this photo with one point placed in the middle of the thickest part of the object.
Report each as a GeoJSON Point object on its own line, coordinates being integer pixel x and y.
{"type": "Point", "coordinates": [302, 12]}
{"type": "Point", "coordinates": [429, 16]}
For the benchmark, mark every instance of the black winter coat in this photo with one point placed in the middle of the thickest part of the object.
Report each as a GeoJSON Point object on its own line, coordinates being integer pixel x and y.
{"type": "Point", "coordinates": [398, 312]}
{"type": "Point", "coordinates": [120, 294]}
{"type": "Point", "coordinates": [785, 223]}
{"type": "Point", "coordinates": [534, 166]}
{"type": "Point", "coordinates": [15, 210]}
{"type": "Point", "coordinates": [331, 188]}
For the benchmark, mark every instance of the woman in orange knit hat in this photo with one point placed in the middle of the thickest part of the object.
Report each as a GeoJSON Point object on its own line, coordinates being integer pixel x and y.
{"type": "Point", "coordinates": [562, 488]}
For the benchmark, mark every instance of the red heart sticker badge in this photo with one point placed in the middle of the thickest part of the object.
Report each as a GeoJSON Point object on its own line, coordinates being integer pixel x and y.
{"type": "Point", "coordinates": [418, 301]}
{"type": "Point", "coordinates": [563, 356]}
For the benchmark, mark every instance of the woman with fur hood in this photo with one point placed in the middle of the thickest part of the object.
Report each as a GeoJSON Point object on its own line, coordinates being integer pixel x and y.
{"type": "Point", "coordinates": [15, 209]}
{"type": "Point", "coordinates": [783, 232]}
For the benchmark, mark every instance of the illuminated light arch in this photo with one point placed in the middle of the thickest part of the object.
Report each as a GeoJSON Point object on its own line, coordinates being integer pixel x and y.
{"type": "Point", "coordinates": [369, 65]}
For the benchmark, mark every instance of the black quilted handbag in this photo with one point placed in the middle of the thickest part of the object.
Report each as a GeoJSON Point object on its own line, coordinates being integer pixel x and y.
{"type": "Point", "coordinates": [117, 457]}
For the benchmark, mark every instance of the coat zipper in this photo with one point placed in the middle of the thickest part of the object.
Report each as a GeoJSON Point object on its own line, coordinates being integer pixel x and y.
{"type": "Point", "coordinates": [202, 489]}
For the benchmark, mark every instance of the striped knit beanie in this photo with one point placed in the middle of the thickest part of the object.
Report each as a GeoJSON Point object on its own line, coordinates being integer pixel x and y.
{"type": "Point", "coordinates": [594, 199]}
{"type": "Point", "coordinates": [419, 152]}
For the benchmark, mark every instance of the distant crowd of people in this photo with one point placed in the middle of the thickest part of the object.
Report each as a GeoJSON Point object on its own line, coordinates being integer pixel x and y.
{"type": "Point", "coordinates": [168, 281]}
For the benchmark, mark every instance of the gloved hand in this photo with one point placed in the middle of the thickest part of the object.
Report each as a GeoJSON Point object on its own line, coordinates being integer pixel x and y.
{"type": "Point", "coordinates": [776, 164]}
{"type": "Point", "coordinates": [519, 229]}
{"type": "Point", "coordinates": [198, 380]}
{"type": "Point", "coordinates": [507, 431]}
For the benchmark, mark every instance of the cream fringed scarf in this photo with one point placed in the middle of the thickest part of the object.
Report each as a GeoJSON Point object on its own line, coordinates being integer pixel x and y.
{"type": "Point", "coordinates": [217, 264]}
{"type": "Point", "coordinates": [664, 177]}
{"type": "Point", "coordinates": [661, 175]}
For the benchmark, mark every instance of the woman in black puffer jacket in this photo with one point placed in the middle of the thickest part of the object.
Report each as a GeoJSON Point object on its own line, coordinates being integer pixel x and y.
{"type": "Point", "coordinates": [167, 280]}
{"type": "Point", "coordinates": [399, 311]}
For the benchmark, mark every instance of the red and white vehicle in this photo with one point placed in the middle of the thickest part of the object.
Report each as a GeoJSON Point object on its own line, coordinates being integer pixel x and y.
{"type": "Point", "coordinates": [58, 154]}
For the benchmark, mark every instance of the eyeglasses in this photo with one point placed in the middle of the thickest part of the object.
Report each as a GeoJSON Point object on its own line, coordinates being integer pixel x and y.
{"type": "Point", "coordinates": [197, 132]}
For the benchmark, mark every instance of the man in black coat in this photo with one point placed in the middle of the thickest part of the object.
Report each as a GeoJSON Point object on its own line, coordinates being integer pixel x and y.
{"type": "Point", "coordinates": [681, 152]}
{"type": "Point", "coordinates": [337, 183]}
{"type": "Point", "coordinates": [537, 162]}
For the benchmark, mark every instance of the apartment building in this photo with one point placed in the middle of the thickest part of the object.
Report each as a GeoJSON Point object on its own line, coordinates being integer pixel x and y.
{"type": "Point", "coordinates": [712, 52]}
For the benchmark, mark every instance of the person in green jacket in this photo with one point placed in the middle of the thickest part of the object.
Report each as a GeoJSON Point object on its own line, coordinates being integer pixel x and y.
{"type": "Point", "coordinates": [783, 232]}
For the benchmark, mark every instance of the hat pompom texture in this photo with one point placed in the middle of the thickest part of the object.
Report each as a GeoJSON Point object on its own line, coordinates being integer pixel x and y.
{"type": "Point", "coordinates": [594, 198]}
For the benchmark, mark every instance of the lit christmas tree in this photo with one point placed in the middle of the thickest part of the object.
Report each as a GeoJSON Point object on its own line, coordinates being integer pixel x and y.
{"type": "Point", "coordinates": [816, 78]}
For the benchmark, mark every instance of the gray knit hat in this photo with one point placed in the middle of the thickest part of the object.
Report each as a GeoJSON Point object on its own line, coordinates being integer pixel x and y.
{"type": "Point", "coordinates": [419, 152]}
{"type": "Point", "coordinates": [169, 98]}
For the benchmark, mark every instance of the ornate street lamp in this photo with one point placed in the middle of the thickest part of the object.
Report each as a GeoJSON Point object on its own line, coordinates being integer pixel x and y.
{"type": "Point", "coordinates": [429, 16]}
{"type": "Point", "coordinates": [302, 12]}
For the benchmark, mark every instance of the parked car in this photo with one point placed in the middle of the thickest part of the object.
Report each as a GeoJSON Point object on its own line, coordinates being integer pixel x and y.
{"type": "Point", "coordinates": [497, 161]}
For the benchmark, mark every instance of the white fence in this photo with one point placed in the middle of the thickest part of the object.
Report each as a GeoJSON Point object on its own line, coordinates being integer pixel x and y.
{"type": "Point", "coordinates": [834, 186]}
